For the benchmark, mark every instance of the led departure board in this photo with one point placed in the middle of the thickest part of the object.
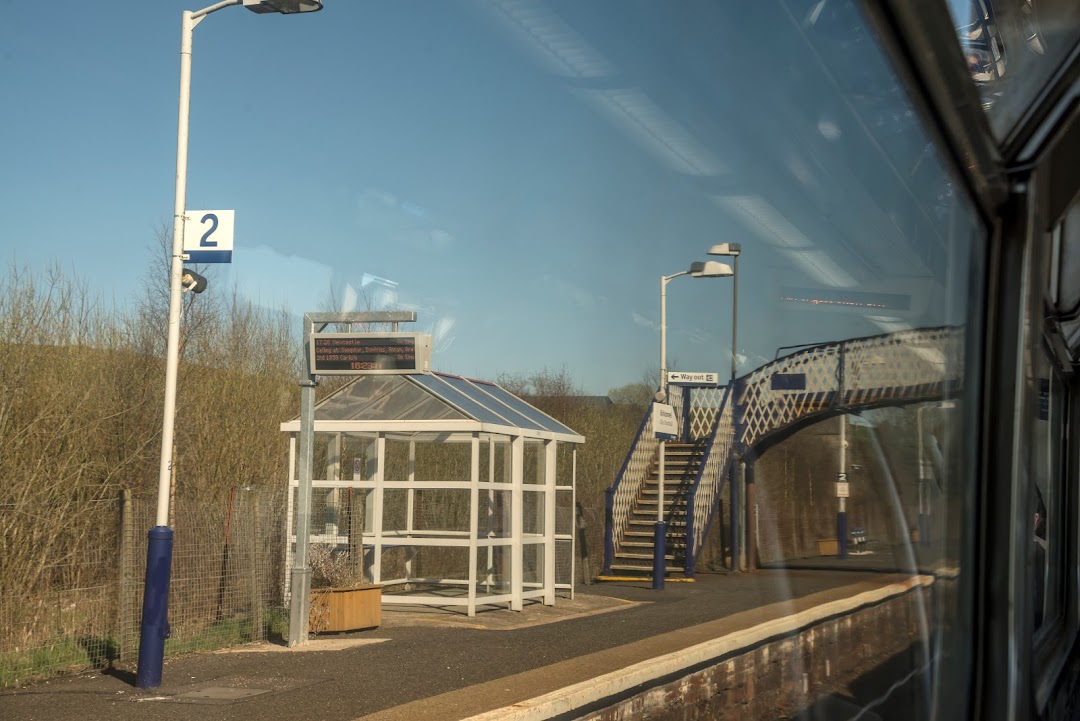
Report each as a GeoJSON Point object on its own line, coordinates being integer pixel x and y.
{"type": "Point", "coordinates": [360, 353]}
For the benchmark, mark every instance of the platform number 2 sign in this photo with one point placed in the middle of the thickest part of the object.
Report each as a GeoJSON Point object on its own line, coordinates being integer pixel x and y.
{"type": "Point", "coordinates": [208, 235]}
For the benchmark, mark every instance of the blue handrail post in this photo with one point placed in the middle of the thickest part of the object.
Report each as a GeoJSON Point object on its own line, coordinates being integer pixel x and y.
{"type": "Point", "coordinates": [841, 534]}
{"type": "Point", "coordinates": [659, 567]}
{"type": "Point", "coordinates": [609, 529]}
{"type": "Point", "coordinates": [733, 481]}
{"type": "Point", "coordinates": [691, 562]}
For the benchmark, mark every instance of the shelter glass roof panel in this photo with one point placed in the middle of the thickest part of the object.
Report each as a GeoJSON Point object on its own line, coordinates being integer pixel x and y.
{"type": "Point", "coordinates": [534, 414]}
{"type": "Point", "coordinates": [475, 389]}
{"type": "Point", "coordinates": [384, 398]}
{"type": "Point", "coordinates": [438, 385]}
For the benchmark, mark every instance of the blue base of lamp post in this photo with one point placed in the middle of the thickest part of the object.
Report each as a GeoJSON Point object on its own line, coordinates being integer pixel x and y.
{"type": "Point", "coordinates": [924, 529]}
{"type": "Point", "coordinates": [659, 563]}
{"type": "Point", "coordinates": [841, 534]}
{"type": "Point", "coordinates": [155, 623]}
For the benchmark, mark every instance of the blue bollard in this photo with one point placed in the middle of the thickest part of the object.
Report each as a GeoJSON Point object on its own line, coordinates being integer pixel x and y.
{"type": "Point", "coordinates": [659, 563]}
{"type": "Point", "coordinates": [841, 534]}
{"type": "Point", "coordinates": [155, 613]}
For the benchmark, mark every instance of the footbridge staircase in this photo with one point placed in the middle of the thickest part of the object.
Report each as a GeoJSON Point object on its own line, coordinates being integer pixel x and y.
{"type": "Point", "coordinates": [721, 425]}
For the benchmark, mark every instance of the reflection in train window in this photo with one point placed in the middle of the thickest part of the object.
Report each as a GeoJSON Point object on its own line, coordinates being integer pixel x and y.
{"type": "Point", "coordinates": [1012, 47]}
{"type": "Point", "coordinates": [1048, 489]}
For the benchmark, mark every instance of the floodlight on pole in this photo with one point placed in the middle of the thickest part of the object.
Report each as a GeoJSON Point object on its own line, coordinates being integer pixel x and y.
{"type": "Point", "coordinates": [732, 250]}
{"type": "Point", "coordinates": [155, 627]}
{"type": "Point", "coordinates": [698, 269]}
{"type": "Point", "coordinates": [285, 7]}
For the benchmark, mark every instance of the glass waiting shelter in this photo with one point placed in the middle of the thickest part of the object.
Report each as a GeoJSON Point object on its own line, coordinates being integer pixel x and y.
{"type": "Point", "coordinates": [447, 491]}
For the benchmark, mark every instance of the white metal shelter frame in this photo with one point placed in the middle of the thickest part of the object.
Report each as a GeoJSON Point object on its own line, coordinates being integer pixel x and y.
{"type": "Point", "coordinates": [513, 510]}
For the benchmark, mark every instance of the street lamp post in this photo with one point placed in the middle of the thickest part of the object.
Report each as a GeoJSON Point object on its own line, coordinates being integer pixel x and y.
{"type": "Point", "coordinates": [732, 250]}
{"type": "Point", "coordinates": [706, 269]}
{"type": "Point", "coordinates": [155, 627]}
{"type": "Point", "coordinates": [841, 493]}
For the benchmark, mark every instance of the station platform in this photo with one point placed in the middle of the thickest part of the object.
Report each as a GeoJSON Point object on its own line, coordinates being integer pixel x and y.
{"type": "Point", "coordinates": [428, 664]}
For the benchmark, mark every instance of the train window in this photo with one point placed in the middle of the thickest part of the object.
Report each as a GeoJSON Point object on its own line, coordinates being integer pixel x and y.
{"type": "Point", "coordinates": [529, 170]}
{"type": "Point", "coordinates": [1012, 47]}
{"type": "Point", "coordinates": [1044, 461]}
{"type": "Point", "coordinates": [1065, 282]}
{"type": "Point", "coordinates": [1048, 490]}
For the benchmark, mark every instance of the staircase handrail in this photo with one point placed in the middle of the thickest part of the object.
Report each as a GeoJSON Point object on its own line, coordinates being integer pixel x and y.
{"type": "Point", "coordinates": [620, 495]}
{"type": "Point", "coordinates": [712, 471]}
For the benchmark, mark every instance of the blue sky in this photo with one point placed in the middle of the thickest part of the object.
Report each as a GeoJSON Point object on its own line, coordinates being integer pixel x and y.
{"type": "Point", "coordinates": [520, 172]}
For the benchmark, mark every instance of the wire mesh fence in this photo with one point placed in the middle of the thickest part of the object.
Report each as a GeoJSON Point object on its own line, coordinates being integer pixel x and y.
{"type": "Point", "coordinates": [72, 601]}
{"type": "Point", "coordinates": [75, 602]}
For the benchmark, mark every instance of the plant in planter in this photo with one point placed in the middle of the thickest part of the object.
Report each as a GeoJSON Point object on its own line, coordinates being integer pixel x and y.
{"type": "Point", "coordinates": [340, 600]}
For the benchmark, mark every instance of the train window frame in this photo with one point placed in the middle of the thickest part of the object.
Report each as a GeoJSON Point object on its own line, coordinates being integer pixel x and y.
{"type": "Point", "coordinates": [1004, 178]}
{"type": "Point", "coordinates": [1052, 190]}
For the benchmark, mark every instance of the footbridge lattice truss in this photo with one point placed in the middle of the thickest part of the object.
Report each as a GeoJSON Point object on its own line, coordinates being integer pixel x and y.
{"type": "Point", "coordinates": [773, 401]}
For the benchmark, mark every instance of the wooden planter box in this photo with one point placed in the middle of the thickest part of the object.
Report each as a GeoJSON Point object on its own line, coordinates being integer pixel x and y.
{"type": "Point", "coordinates": [345, 609]}
{"type": "Point", "coordinates": [828, 547]}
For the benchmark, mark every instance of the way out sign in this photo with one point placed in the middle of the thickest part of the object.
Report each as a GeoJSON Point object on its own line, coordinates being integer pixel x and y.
{"type": "Point", "coordinates": [208, 235]}
{"type": "Point", "coordinates": [665, 424]}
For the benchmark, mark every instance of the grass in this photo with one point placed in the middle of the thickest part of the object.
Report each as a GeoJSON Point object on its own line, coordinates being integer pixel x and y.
{"type": "Point", "coordinates": [65, 655]}
{"type": "Point", "coordinates": [74, 655]}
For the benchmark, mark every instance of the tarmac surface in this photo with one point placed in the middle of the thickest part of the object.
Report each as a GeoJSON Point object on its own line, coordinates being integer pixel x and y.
{"type": "Point", "coordinates": [439, 663]}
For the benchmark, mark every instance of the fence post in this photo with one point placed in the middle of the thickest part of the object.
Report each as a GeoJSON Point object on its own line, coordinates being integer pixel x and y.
{"type": "Point", "coordinates": [258, 633]}
{"type": "Point", "coordinates": [125, 526]}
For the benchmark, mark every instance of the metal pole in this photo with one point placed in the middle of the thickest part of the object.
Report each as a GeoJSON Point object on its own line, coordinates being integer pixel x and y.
{"type": "Point", "coordinates": [660, 530]}
{"type": "Point", "coordinates": [155, 628]}
{"type": "Point", "coordinates": [751, 524]}
{"type": "Point", "coordinates": [841, 477]}
{"type": "Point", "coordinates": [923, 524]}
{"type": "Point", "coordinates": [301, 574]}
{"type": "Point", "coordinates": [734, 317]}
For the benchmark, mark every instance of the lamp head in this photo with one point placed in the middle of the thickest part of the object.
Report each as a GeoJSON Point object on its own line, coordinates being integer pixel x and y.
{"type": "Point", "coordinates": [285, 7]}
{"type": "Point", "coordinates": [725, 249]}
{"type": "Point", "coordinates": [710, 269]}
{"type": "Point", "coordinates": [190, 280]}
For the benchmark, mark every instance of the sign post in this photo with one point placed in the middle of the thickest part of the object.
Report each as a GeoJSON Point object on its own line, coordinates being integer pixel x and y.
{"type": "Point", "coordinates": [314, 324]}
{"type": "Point", "coordinates": [666, 427]}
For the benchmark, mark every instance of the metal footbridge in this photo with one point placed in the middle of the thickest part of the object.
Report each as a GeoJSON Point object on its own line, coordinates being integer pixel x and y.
{"type": "Point", "coordinates": [725, 425]}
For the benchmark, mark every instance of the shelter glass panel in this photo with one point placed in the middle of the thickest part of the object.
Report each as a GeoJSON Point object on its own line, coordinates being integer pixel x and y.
{"type": "Point", "coordinates": [436, 384]}
{"type": "Point", "coordinates": [435, 565]}
{"type": "Point", "coordinates": [383, 398]}
{"type": "Point", "coordinates": [494, 517]}
{"type": "Point", "coordinates": [443, 462]}
{"type": "Point", "coordinates": [359, 456]}
{"type": "Point", "coordinates": [535, 462]}
{"type": "Point", "coordinates": [495, 460]}
{"type": "Point", "coordinates": [540, 419]}
{"type": "Point", "coordinates": [493, 570]}
{"type": "Point", "coordinates": [480, 390]}
{"type": "Point", "coordinates": [533, 512]}
{"type": "Point", "coordinates": [532, 564]}
{"type": "Point", "coordinates": [439, 510]}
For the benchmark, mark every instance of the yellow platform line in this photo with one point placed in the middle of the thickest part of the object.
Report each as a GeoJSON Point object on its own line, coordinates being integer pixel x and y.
{"type": "Point", "coordinates": [644, 578]}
